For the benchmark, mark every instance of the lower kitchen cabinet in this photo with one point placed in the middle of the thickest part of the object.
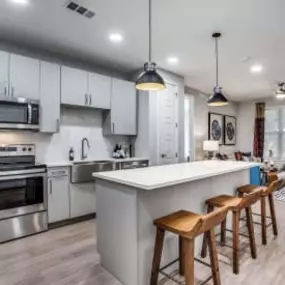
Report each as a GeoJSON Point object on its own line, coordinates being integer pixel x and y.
{"type": "Point", "coordinates": [82, 199]}
{"type": "Point", "coordinates": [58, 194]}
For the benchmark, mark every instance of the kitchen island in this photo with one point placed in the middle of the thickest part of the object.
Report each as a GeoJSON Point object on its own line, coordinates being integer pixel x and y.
{"type": "Point", "coordinates": [129, 200]}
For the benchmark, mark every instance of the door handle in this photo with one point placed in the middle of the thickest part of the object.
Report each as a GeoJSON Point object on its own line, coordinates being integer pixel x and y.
{"type": "Point", "coordinates": [90, 100]}
{"type": "Point", "coordinates": [50, 187]}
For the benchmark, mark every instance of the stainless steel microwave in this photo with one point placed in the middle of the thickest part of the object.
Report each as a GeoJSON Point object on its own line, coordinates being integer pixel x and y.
{"type": "Point", "coordinates": [19, 113]}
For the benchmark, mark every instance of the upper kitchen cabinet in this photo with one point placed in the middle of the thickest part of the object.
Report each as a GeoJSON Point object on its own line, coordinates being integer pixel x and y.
{"type": "Point", "coordinates": [74, 86]}
{"type": "Point", "coordinates": [4, 69]}
{"type": "Point", "coordinates": [49, 97]}
{"type": "Point", "coordinates": [99, 90]}
{"type": "Point", "coordinates": [122, 119]}
{"type": "Point", "coordinates": [24, 77]}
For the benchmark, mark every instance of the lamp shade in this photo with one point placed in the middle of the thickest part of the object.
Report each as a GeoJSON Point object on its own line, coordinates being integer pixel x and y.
{"type": "Point", "coordinates": [211, 145]}
{"type": "Point", "coordinates": [217, 99]}
{"type": "Point", "coordinates": [149, 79]}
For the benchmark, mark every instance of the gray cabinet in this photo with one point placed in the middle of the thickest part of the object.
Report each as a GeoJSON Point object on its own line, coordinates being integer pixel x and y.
{"type": "Point", "coordinates": [122, 119]}
{"type": "Point", "coordinates": [4, 69]}
{"type": "Point", "coordinates": [82, 199]}
{"type": "Point", "coordinates": [58, 194]}
{"type": "Point", "coordinates": [24, 77]}
{"type": "Point", "coordinates": [74, 86]}
{"type": "Point", "coordinates": [49, 97]}
{"type": "Point", "coordinates": [99, 91]}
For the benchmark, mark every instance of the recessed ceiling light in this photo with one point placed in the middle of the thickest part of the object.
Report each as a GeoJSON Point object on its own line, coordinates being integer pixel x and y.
{"type": "Point", "coordinates": [257, 68]}
{"type": "Point", "coordinates": [20, 2]}
{"type": "Point", "coordinates": [172, 60]}
{"type": "Point", "coordinates": [116, 38]}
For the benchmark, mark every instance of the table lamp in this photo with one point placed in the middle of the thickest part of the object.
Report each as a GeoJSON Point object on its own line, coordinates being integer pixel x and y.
{"type": "Point", "coordinates": [210, 147]}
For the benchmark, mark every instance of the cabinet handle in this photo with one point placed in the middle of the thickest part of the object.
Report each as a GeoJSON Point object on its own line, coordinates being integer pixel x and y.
{"type": "Point", "coordinates": [90, 100]}
{"type": "Point", "coordinates": [113, 125]}
{"type": "Point", "coordinates": [12, 90]}
{"type": "Point", "coordinates": [57, 125]}
{"type": "Point", "coordinates": [86, 100]}
{"type": "Point", "coordinates": [50, 187]}
{"type": "Point", "coordinates": [5, 89]}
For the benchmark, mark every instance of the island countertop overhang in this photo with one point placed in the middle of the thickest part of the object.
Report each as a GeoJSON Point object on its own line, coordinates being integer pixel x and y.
{"type": "Point", "coordinates": [155, 177]}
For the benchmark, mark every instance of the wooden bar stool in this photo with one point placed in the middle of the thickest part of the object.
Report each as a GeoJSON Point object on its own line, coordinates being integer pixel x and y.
{"type": "Point", "coordinates": [235, 204]}
{"type": "Point", "coordinates": [187, 226]}
{"type": "Point", "coordinates": [267, 192]}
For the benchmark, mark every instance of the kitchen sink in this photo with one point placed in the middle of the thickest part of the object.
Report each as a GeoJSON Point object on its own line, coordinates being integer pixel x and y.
{"type": "Point", "coordinates": [82, 171]}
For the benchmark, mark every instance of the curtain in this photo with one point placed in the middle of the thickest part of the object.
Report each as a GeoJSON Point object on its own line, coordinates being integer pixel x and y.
{"type": "Point", "coordinates": [258, 145]}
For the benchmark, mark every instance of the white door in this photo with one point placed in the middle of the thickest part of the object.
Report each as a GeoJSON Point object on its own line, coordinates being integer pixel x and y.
{"type": "Point", "coordinates": [99, 89]}
{"type": "Point", "coordinates": [50, 97]}
{"type": "Point", "coordinates": [4, 69]}
{"type": "Point", "coordinates": [168, 126]}
{"type": "Point", "coordinates": [74, 86]}
{"type": "Point", "coordinates": [24, 77]}
{"type": "Point", "coordinates": [58, 199]}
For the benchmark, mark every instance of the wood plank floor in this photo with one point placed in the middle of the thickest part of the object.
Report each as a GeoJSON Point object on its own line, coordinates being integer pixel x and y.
{"type": "Point", "coordinates": [68, 256]}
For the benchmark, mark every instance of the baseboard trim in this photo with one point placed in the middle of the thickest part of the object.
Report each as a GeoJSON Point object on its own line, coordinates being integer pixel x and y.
{"type": "Point", "coordinates": [71, 221]}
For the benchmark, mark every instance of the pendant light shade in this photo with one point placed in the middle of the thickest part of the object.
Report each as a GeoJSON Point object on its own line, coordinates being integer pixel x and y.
{"type": "Point", "coordinates": [149, 79]}
{"type": "Point", "coordinates": [280, 91]}
{"type": "Point", "coordinates": [217, 99]}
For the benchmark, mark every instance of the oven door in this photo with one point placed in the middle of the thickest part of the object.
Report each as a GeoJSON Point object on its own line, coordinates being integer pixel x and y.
{"type": "Point", "coordinates": [18, 115]}
{"type": "Point", "coordinates": [22, 194]}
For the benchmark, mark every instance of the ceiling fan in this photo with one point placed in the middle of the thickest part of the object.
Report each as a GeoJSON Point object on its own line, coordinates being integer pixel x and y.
{"type": "Point", "coordinates": [280, 91]}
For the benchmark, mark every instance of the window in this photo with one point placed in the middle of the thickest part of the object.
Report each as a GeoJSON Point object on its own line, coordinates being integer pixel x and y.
{"type": "Point", "coordinates": [274, 137]}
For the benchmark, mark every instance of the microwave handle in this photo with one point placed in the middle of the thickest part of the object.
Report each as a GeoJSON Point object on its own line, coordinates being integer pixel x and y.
{"type": "Point", "coordinates": [29, 114]}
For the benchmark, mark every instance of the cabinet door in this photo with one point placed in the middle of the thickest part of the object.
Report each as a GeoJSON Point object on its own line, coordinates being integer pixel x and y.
{"type": "Point", "coordinates": [49, 97]}
{"type": "Point", "coordinates": [58, 199]}
{"type": "Point", "coordinates": [123, 108]}
{"type": "Point", "coordinates": [4, 69]}
{"type": "Point", "coordinates": [82, 199]}
{"type": "Point", "coordinates": [24, 77]}
{"type": "Point", "coordinates": [74, 86]}
{"type": "Point", "coordinates": [99, 89]}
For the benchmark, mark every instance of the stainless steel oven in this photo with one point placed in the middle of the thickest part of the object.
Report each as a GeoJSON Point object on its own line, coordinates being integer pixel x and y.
{"type": "Point", "coordinates": [23, 192]}
{"type": "Point", "coordinates": [19, 113]}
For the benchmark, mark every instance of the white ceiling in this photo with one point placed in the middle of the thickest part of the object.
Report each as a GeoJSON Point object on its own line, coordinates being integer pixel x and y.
{"type": "Point", "coordinates": [183, 28]}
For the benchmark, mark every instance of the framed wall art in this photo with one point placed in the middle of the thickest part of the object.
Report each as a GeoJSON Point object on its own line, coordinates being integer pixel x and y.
{"type": "Point", "coordinates": [230, 130]}
{"type": "Point", "coordinates": [216, 127]}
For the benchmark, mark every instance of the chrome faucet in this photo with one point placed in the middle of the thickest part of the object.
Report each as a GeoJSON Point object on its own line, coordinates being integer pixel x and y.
{"type": "Point", "coordinates": [83, 155]}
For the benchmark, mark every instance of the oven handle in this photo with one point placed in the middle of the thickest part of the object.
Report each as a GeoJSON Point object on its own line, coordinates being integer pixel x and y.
{"type": "Point", "coordinates": [24, 176]}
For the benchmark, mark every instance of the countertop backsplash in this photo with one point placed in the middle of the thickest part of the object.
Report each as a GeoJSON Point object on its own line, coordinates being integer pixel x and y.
{"type": "Point", "coordinates": [75, 125]}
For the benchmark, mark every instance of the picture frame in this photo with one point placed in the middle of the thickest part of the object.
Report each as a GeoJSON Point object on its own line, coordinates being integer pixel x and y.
{"type": "Point", "coordinates": [230, 131]}
{"type": "Point", "coordinates": [216, 127]}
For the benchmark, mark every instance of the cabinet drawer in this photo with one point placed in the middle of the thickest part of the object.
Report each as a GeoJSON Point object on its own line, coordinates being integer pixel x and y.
{"type": "Point", "coordinates": [58, 172]}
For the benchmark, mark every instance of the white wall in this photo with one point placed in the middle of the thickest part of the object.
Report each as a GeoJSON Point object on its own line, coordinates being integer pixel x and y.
{"type": "Point", "coordinates": [75, 125]}
{"type": "Point", "coordinates": [201, 110]}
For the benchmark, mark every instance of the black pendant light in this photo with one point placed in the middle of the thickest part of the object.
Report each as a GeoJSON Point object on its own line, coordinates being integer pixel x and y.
{"type": "Point", "coordinates": [217, 99]}
{"type": "Point", "coordinates": [149, 79]}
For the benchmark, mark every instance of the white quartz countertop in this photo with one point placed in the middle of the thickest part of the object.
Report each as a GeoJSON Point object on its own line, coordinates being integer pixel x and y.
{"type": "Point", "coordinates": [151, 178]}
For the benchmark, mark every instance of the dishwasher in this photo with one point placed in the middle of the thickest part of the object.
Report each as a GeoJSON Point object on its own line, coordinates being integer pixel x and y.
{"type": "Point", "coordinates": [134, 164]}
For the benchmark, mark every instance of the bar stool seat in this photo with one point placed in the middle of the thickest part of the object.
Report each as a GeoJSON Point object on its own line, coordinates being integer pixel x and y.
{"type": "Point", "coordinates": [235, 205]}
{"type": "Point", "coordinates": [187, 225]}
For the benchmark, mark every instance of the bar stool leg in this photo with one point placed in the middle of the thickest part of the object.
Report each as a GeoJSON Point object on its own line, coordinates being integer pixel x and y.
{"type": "Point", "coordinates": [210, 208]}
{"type": "Point", "coordinates": [157, 256]}
{"type": "Point", "coordinates": [223, 232]}
{"type": "Point", "coordinates": [250, 228]}
{"type": "Point", "coordinates": [273, 214]}
{"type": "Point", "coordinates": [188, 246]}
{"type": "Point", "coordinates": [181, 256]}
{"type": "Point", "coordinates": [263, 220]}
{"type": "Point", "coordinates": [236, 215]}
{"type": "Point", "coordinates": [214, 257]}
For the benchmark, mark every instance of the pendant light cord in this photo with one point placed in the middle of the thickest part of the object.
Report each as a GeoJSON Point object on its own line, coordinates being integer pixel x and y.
{"type": "Point", "coordinates": [149, 31]}
{"type": "Point", "coordinates": [217, 62]}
